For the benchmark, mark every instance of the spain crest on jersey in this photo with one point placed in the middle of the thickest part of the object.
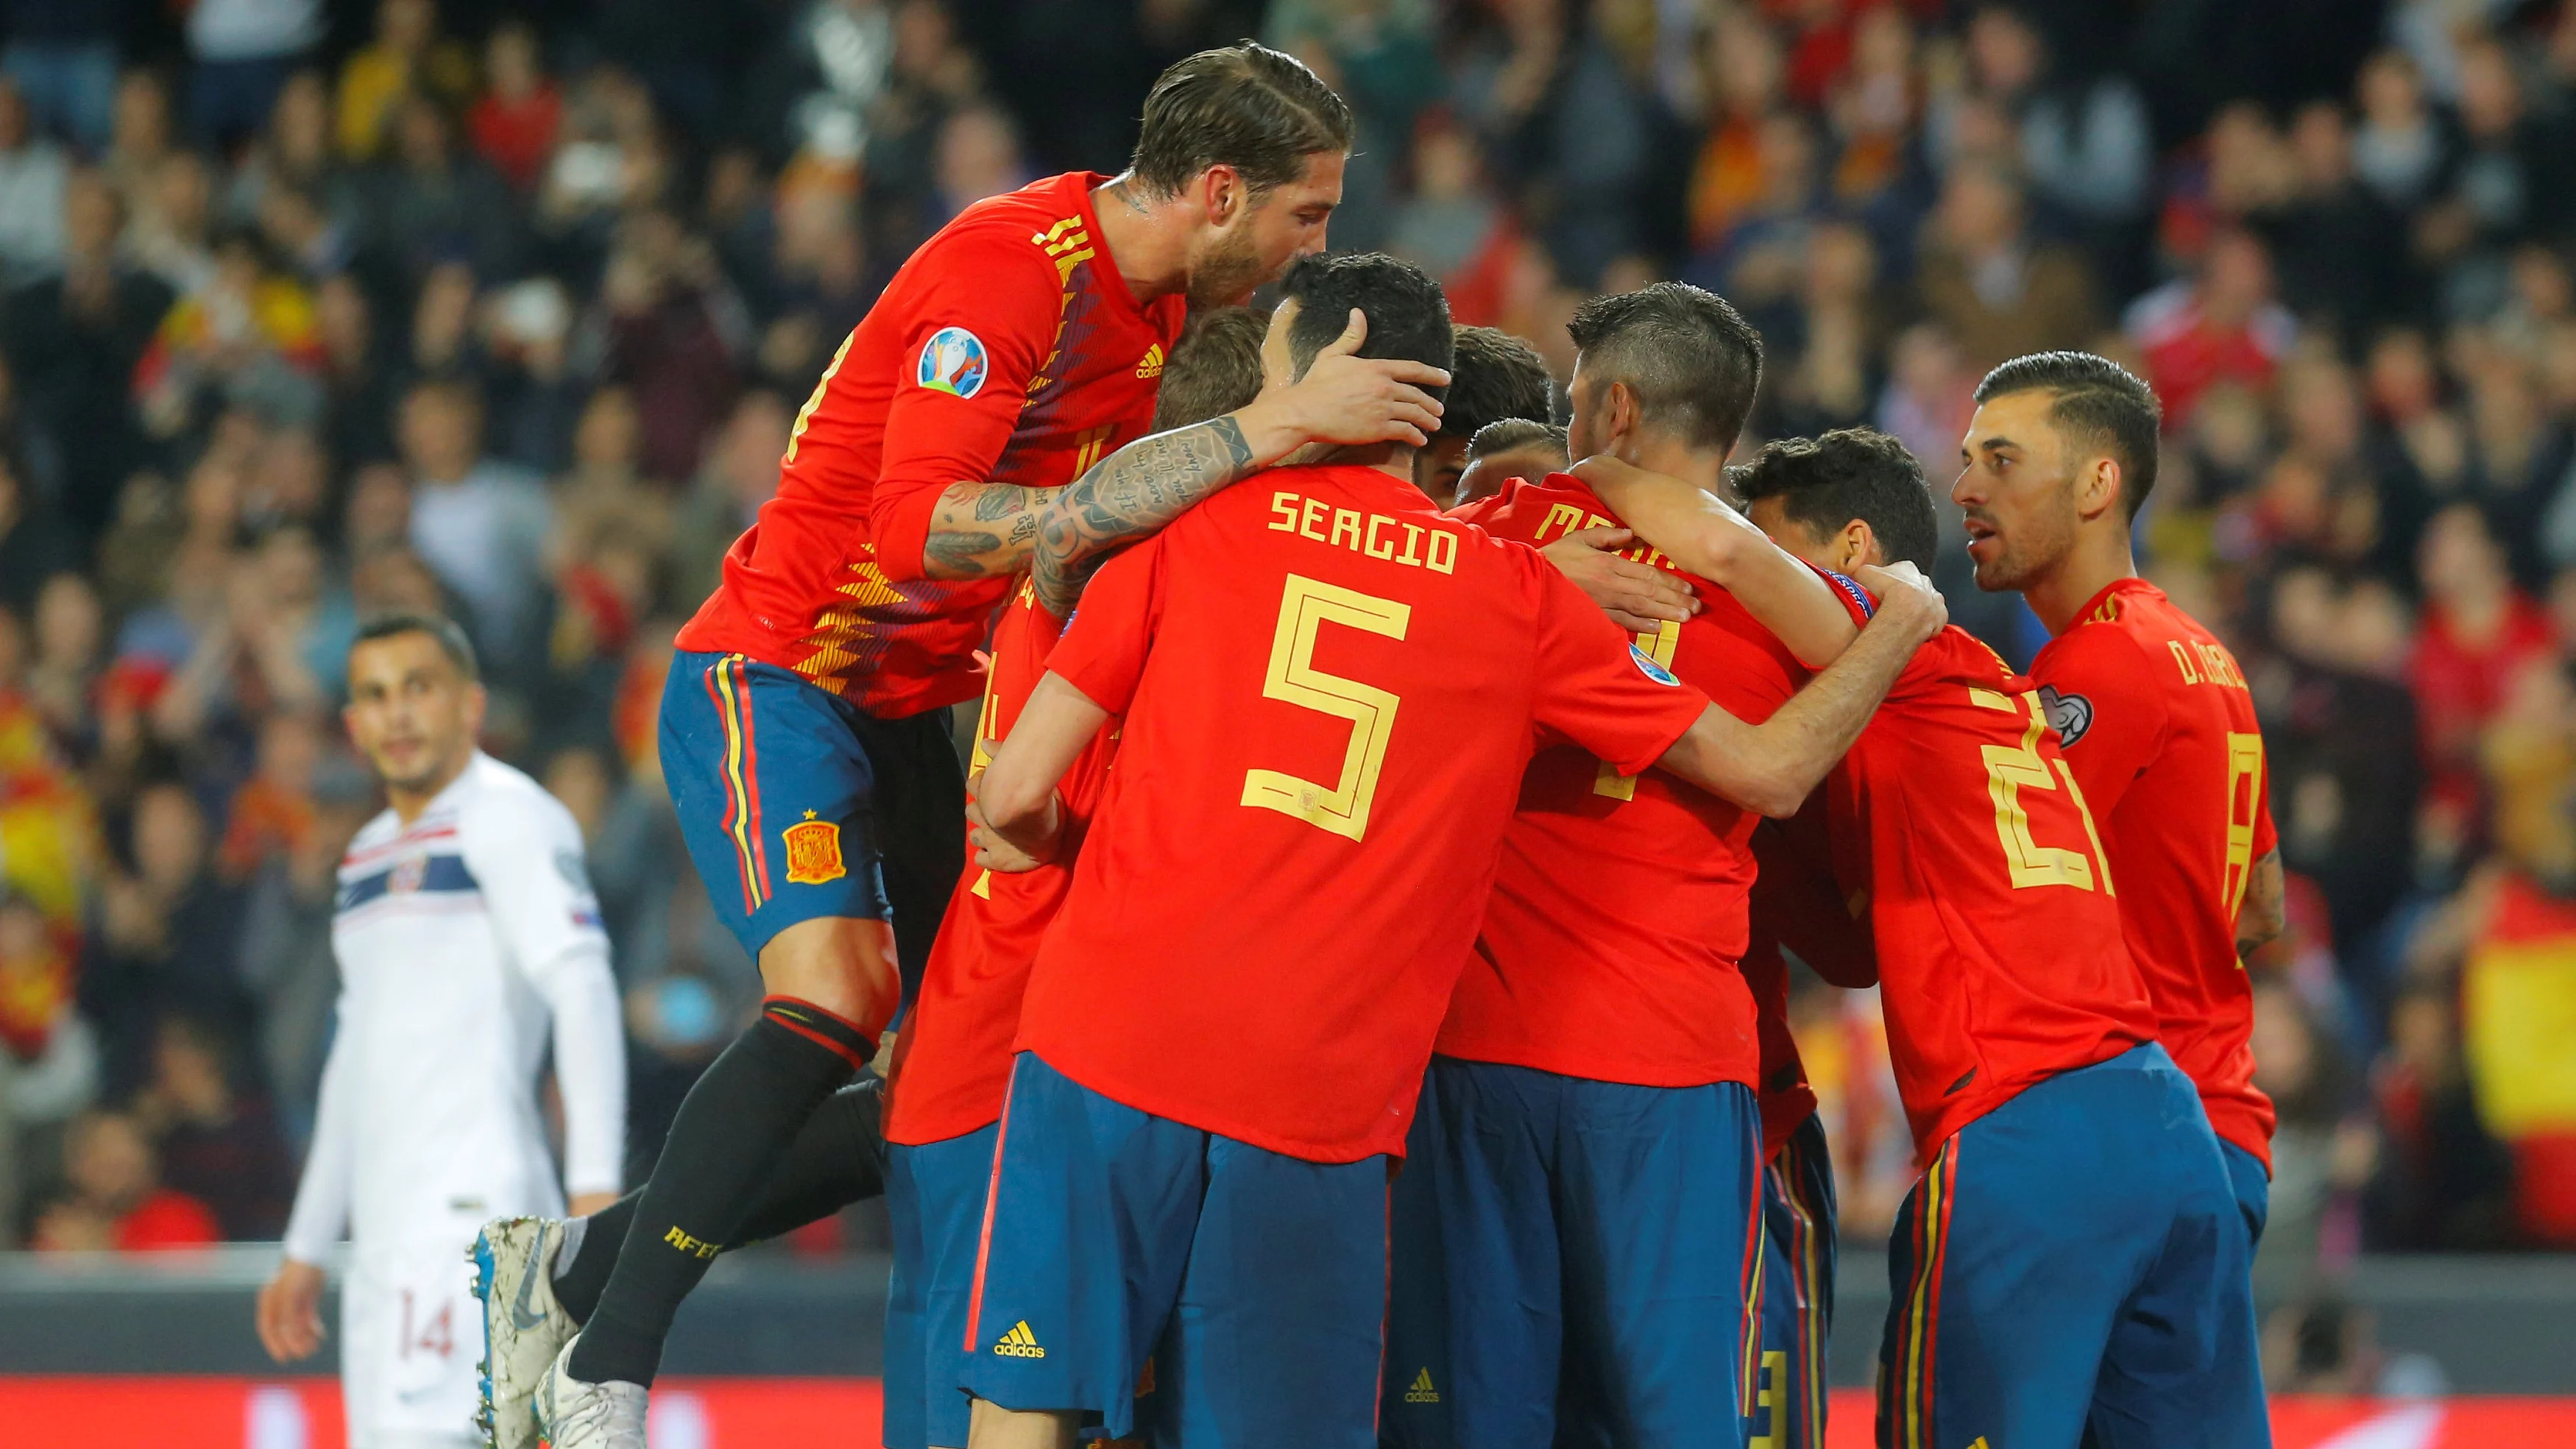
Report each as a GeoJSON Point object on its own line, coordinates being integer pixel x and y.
{"type": "Point", "coordinates": [814, 851]}
{"type": "Point", "coordinates": [952, 361]}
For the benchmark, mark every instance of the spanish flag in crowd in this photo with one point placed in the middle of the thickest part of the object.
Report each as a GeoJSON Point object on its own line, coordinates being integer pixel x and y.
{"type": "Point", "coordinates": [2519, 1023]}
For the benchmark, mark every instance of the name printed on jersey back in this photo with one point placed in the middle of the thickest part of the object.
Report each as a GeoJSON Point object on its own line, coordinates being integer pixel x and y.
{"type": "Point", "coordinates": [1378, 535]}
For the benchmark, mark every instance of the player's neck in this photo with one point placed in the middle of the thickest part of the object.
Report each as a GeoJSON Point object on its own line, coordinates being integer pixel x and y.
{"type": "Point", "coordinates": [2099, 559]}
{"type": "Point", "coordinates": [1387, 458]}
{"type": "Point", "coordinates": [1699, 467]}
{"type": "Point", "coordinates": [1148, 240]}
{"type": "Point", "coordinates": [408, 802]}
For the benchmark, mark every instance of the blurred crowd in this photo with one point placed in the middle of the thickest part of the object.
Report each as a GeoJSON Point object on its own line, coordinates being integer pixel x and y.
{"type": "Point", "coordinates": [314, 309]}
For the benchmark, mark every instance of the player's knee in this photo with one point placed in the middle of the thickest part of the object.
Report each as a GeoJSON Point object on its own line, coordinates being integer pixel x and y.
{"type": "Point", "coordinates": [994, 1427]}
{"type": "Point", "coordinates": [843, 964]}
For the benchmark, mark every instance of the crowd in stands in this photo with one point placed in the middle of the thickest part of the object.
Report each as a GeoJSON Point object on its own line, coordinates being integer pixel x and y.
{"type": "Point", "coordinates": [314, 310]}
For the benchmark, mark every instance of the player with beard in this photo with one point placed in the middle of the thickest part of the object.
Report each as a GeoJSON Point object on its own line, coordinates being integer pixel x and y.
{"type": "Point", "coordinates": [803, 727]}
{"type": "Point", "coordinates": [2154, 715]}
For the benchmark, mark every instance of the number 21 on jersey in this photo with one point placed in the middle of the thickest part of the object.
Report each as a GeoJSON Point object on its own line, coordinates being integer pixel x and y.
{"type": "Point", "coordinates": [2011, 769]}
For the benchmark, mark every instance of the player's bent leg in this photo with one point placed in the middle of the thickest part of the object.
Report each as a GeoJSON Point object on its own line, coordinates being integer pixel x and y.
{"type": "Point", "coordinates": [2251, 1182]}
{"type": "Point", "coordinates": [1092, 1208]}
{"type": "Point", "coordinates": [1788, 1410]}
{"type": "Point", "coordinates": [1659, 1211]}
{"type": "Point", "coordinates": [2184, 1363]}
{"type": "Point", "coordinates": [1474, 1322]}
{"type": "Point", "coordinates": [1279, 1337]}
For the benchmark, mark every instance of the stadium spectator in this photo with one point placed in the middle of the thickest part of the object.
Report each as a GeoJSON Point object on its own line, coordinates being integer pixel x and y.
{"type": "Point", "coordinates": [480, 522]}
{"type": "Point", "coordinates": [408, 57]}
{"type": "Point", "coordinates": [32, 172]}
{"type": "Point", "coordinates": [115, 1198]}
{"type": "Point", "coordinates": [1997, 289]}
{"type": "Point", "coordinates": [216, 1145]}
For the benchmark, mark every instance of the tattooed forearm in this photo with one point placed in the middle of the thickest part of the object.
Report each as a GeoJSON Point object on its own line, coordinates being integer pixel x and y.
{"type": "Point", "coordinates": [982, 530]}
{"type": "Point", "coordinates": [1128, 495]}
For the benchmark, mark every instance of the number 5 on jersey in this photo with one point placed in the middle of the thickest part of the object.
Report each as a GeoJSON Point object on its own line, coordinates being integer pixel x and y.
{"type": "Point", "coordinates": [1305, 606]}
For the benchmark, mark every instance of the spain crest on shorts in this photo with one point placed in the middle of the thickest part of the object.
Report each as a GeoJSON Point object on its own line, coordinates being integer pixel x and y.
{"type": "Point", "coordinates": [814, 851]}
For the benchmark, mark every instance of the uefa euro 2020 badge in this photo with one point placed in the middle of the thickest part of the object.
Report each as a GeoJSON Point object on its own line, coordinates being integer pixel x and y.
{"type": "Point", "coordinates": [952, 361]}
{"type": "Point", "coordinates": [1647, 666]}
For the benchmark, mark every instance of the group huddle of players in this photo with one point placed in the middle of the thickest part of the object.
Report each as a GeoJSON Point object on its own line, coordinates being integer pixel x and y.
{"type": "Point", "coordinates": [1360, 1017]}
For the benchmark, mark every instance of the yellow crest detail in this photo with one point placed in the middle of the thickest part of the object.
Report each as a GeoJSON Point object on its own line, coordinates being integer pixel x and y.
{"type": "Point", "coordinates": [1152, 364]}
{"type": "Point", "coordinates": [1420, 1390]}
{"type": "Point", "coordinates": [814, 852]}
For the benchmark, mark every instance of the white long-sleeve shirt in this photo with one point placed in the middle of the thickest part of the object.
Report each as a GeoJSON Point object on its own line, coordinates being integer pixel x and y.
{"type": "Point", "coordinates": [463, 938]}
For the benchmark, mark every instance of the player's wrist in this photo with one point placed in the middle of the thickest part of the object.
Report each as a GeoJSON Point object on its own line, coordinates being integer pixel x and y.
{"type": "Point", "coordinates": [1271, 426]}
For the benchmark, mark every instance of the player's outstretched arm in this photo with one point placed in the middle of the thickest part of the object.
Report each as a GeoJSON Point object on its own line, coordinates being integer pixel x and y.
{"type": "Point", "coordinates": [1016, 802]}
{"type": "Point", "coordinates": [1770, 767]}
{"type": "Point", "coordinates": [2265, 912]}
{"type": "Point", "coordinates": [1704, 536]}
{"type": "Point", "coordinates": [1344, 399]}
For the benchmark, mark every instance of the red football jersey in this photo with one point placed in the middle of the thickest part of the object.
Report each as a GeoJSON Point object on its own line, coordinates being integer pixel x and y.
{"type": "Point", "coordinates": [1957, 825]}
{"type": "Point", "coordinates": [1609, 948]}
{"type": "Point", "coordinates": [953, 1056]}
{"type": "Point", "coordinates": [1330, 692]}
{"type": "Point", "coordinates": [2156, 720]}
{"type": "Point", "coordinates": [1008, 350]}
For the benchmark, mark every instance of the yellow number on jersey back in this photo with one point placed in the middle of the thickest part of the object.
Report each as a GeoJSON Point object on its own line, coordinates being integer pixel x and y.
{"type": "Point", "coordinates": [1659, 644]}
{"type": "Point", "coordinates": [2244, 792]}
{"type": "Point", "coordinates": [1305, 606]}
{"type": "Point", "coordinates": [2012, 769]}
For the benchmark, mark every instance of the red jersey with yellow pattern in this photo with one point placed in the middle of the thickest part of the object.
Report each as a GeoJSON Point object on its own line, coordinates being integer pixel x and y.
{"type": "Point", "coordinates": [1957, 825]}
{"type": "Point", "coordinates": [2156, 721]}
{"type": "Point", "coordinates": [1008, 350]}
{"type": "Point", "coordinates": [953, 1056]}
{"type": "Point", "coordinates": [1609, 948]}
{"type": "Point", "coordinates": [1330, 694]}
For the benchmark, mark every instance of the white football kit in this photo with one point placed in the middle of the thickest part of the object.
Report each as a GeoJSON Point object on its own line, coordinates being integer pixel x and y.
{"type": "Point", "coordinates": [461, 938]}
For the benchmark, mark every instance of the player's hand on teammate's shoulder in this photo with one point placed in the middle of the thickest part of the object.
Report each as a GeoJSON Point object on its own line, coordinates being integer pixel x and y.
{"type": "Point", "coordinates": [290, 1312]}
{"type": "Point", "coordinates": [1638, 597]}
{"type": "Point", "coordinates": [993, 852]}
{"type": "Point", "coordinates": [1348, 400]}
{"type": "Point", "coordinates": [1906, 599]}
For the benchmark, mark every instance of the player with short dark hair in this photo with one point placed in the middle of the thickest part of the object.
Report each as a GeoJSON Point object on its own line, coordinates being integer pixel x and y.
{"type": "Point", "coordinates": [1689, 361]}
{"type": "Point", "coordinates": [1215, 369]}
{"type": "Point", "coordinates": [2069, 1260]}
{"type": "Point", "coordinates": [1512, 448]}
{"type": "Point", "coordinates": [1329, 693]}
{"type": "Point", "coordinates": [1826, 483]}
{"type": "Point", "coordinates": [1578, 1230]}
{"type": "Point", "coordinates": [804, 734]}
{"type": "Point", "coordinates": [2155, 717]}
{"type": "Point", "coordinates": [1495, 377]}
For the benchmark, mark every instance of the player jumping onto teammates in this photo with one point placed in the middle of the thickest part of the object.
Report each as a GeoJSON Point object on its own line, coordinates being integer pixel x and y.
{"type": "Point", "coordinates": [468, 941]}
{"type": "Point", "coordinates": [1329, 693]}
{"type": "Point", "coordinates": [2070, 1260]}
{"type": "Point", "coordinates": [2152, 712]}
{"type": "Point", "coordinates": [803, 733]}
{"type": "Point", "coordinates": [1578, 1226]}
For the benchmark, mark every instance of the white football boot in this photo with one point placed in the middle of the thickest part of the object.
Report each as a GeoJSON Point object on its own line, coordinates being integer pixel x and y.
{"type": "Point", "coordinates": [575, 1415]}
{"type": "Point", "coordinates": [524, 1326]}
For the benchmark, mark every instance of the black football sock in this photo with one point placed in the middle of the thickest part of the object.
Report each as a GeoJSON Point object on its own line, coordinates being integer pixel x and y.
{"type": "Point", "coordinates": [838, 1158]}
{"type": "Point", "coordinates": [733, 1128]}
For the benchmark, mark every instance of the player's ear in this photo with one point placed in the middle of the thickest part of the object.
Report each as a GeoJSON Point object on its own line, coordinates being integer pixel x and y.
{"type": "Point", "coordinates": [1619, 414]}
{"type": "Point", "coordinates": [1222, 193]}
{"type": "Point", "coordinates": [2097, 487]}
{"type": "Point", "coordinates": [1859, 546]}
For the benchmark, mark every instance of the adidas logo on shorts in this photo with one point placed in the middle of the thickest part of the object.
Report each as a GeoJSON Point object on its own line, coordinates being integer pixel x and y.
{"type": "Point", "coordinates": [1019, 1343]}
{"type": "Point", "coordinates": [1420, 1391]}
